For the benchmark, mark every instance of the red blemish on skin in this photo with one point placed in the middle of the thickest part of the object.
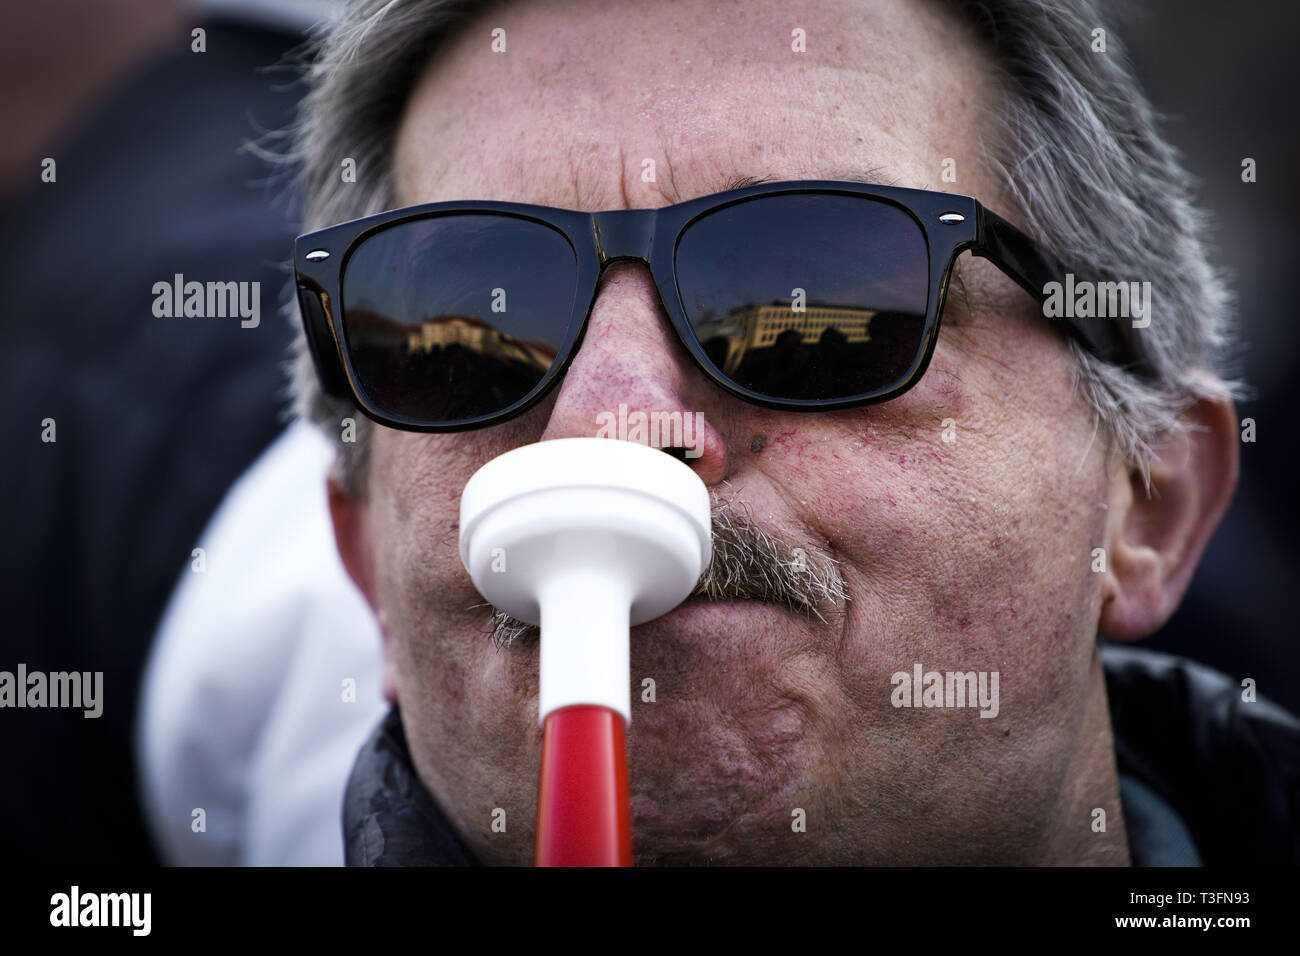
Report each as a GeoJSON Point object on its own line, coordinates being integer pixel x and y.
{"type": "Point", "coordinates": [944, 382]}
{"type": "Point", "coordinates": [454, 525]}
{"type": "Point", "coordinates": [784, 436]}
{"type": "Point", "coordinates": [902, 462]}
{"type": "Point", "coordinates": [964, 621]}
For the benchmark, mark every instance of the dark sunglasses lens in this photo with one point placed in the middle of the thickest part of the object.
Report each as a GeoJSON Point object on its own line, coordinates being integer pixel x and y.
{"type": "Point", "coordinates": [807, 296]}
{"type": "Point", "coordinates": [456, 317]}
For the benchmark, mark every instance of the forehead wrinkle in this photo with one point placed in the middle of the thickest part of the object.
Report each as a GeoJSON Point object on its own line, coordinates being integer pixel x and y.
{"type": "Point", "coordinates": [565, 64]}
{"type": "Point", "coordinates": [590, 154]}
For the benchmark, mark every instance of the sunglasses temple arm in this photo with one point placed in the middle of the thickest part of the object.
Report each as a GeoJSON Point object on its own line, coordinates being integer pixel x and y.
{"type": "Point", "coordinates": [313, 310]}
{"type": "Point", "coordinates": [1033, 268]}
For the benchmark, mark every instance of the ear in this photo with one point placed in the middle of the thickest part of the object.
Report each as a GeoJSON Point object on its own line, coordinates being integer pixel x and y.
{"type": "Point", "coordinates": [351, 518]}
{"type": "Point", "coordinates": [1155, 541]}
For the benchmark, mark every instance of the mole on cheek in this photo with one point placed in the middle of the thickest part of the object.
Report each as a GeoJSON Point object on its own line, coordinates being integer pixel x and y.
{"type": "Point", "coordinates": [757, 444]}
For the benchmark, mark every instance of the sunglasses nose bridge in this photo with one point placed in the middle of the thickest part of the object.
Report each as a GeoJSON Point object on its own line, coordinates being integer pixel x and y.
{"type": "Point", "coordinates": [624, 234]}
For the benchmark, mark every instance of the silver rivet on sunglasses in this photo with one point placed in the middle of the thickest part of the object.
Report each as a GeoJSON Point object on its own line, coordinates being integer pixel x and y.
{"type": "Point", "coordinates": [948, 219]}
{"type": "Point", "coordinates": [316, 255]}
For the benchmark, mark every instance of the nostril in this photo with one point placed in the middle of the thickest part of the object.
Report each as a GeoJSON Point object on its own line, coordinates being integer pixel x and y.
{"type": "Point", "coordinates": [678, 452]}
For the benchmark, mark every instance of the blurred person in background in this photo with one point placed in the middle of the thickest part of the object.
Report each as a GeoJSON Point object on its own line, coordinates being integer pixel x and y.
{"type": "Point", "coordinates": [125, 165]}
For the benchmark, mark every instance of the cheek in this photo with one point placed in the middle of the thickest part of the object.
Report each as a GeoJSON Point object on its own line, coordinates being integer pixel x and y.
{"type": "Point", "coordinates": [964, 514]}
{"type": "Point", "coordinates": [416, 488]}
{"type": "Point", "coordinates": [415, 507]}
{"type": "Point", "coordinates": [457, 691]}
{"type": "Point", "coordinates": [415, 495]}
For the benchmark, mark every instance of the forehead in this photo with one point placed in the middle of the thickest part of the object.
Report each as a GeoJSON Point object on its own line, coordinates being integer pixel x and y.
{"type": "Point", "coordinates": [599, 105]}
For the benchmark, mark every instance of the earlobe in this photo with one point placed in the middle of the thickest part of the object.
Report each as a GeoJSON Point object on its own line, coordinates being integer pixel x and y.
{"type": "Point", "coordinates": [1156, 540]}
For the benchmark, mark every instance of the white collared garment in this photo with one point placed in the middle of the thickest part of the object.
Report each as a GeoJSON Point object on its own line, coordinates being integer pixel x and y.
{"type": "Point", "coordinates": [243, 710]}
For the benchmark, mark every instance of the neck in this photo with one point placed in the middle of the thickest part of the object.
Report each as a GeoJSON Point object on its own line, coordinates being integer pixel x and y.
{"type": "Point", "coordinates": [1091, 785]}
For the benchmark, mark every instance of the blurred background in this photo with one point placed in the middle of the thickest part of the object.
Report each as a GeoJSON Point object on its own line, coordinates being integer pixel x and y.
{"type": "Point", "coordinates": [1223, 78]}
{"type": "Point", "coordinates": [155, 419]}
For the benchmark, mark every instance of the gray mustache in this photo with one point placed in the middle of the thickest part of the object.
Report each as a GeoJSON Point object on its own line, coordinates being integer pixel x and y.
{"type": "Point", "coordinates": [749, 563]}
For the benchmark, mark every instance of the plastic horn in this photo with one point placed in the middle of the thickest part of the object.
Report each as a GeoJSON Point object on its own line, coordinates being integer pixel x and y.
{"type": "Point", "coordinates": [585, 537]}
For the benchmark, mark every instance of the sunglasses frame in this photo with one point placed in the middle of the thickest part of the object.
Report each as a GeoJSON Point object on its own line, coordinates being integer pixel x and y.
{"type": "Point", "coordinates": [951, 224]}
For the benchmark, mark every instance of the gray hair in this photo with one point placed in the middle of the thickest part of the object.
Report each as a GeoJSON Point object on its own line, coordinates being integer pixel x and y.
{"type": "Point", "coordinates": [1074, 144]}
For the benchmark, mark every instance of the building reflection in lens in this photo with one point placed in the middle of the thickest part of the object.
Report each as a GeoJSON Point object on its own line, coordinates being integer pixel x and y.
{"type": "Point", "coordinates": [448, 367]}
{"type": "Point", "coordinates": [822, 351]}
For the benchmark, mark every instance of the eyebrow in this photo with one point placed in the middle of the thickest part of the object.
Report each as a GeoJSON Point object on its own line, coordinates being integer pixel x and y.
{"type": "Point", "coordinates": [875, 177]}
{"type": "Point", "coordinates": [740, 182]}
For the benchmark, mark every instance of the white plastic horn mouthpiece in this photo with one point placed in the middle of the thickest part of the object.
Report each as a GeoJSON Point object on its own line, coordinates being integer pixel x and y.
{"type": "Point", "coordinates": [585, 537]}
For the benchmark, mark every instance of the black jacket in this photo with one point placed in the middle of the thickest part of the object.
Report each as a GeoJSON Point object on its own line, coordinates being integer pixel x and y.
{"type": "Point", "coordinates": [1205, 777]}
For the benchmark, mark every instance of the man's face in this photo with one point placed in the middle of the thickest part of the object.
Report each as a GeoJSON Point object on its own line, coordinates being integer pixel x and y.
{"type": "Point", "coordinates": [961, 516]}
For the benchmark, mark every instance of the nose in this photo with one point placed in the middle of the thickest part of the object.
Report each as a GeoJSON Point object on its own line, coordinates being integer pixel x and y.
{"type": "Point", "coordinates": [633, 380]}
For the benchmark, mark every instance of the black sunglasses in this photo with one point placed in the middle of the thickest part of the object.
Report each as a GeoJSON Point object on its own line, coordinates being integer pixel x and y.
{"type": "Point", "coordinates": [805, 296]}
